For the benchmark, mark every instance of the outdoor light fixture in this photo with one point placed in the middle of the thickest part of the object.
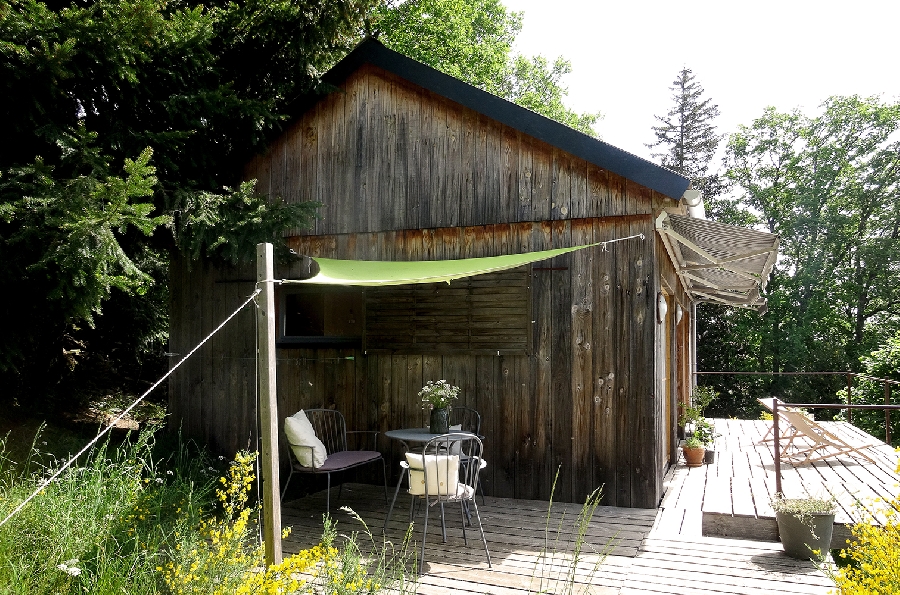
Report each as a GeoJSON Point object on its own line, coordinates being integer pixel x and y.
{"type": "Point", "coordinates": [661, 307]}
{"type": "Point", "coordinates": [679, 312]}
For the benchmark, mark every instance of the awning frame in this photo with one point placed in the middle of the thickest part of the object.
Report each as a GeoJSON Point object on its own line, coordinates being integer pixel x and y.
{"type": "Point", "coordinates": [731, 267]}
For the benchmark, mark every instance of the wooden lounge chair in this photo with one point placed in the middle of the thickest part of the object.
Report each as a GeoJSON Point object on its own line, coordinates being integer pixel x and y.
{"type": "Point", "coordinates": [787, 430]}
{"type": "Point", "coordinates": [822, 443]}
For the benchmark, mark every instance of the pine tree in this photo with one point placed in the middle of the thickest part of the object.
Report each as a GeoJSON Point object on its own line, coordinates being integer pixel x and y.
{"type": "Point", "coordinates": [686, 134]}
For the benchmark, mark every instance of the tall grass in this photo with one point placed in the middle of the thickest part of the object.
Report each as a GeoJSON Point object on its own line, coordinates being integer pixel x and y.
{"type": "Point", "coordinates": [560, 568]}
{"type": "Point", "coordinates": [126, 521]}
{"type": "Point", "coordinates": [101, 526]}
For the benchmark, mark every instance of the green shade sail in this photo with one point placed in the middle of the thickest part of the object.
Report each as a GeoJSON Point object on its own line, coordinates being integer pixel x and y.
{"type": "Point", "coordinates": [378, 272]}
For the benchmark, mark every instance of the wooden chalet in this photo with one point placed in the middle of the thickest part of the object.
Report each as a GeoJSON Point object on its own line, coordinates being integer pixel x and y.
{"type": "Point", "coordinates": [576, 364]}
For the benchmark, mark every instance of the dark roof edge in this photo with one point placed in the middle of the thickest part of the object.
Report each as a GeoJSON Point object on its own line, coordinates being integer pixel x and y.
{"type": "Point", "coordinates": [601, 154]}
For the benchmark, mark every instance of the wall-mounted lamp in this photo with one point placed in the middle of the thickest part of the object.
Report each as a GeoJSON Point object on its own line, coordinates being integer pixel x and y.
{"type": "Point", "coordinates": [679, 312]}
{"type": "Point", "coordinates": [661, 307]}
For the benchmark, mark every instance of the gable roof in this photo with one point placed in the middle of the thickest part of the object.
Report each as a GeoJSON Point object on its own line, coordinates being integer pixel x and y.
{"type": "Point", "coordinates": [601, 154]}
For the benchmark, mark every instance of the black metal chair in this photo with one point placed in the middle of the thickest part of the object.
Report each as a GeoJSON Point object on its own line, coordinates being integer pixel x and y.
{"type": "Point", "coordinates": [331, 428]}
{"type": "Point", "coordinates": [437, 477]}
{"type": "Point", "coordinates": [468, 420]}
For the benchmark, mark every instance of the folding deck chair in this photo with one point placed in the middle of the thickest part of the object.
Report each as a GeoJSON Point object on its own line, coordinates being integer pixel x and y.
{"type": "Point", "coordinates": [819, 438]}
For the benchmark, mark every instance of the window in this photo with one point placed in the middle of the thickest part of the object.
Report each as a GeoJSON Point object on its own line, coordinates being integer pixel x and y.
{"type": "Point", "coordinates": [321, 317]}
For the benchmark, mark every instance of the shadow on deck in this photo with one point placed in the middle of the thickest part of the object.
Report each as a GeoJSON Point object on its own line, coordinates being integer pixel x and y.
{"type": "Point", "coordinates": [530, 546]}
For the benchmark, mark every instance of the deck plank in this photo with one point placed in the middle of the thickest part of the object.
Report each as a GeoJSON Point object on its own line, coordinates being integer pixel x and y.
{"type": "Point", "coordinates": [674, 549]}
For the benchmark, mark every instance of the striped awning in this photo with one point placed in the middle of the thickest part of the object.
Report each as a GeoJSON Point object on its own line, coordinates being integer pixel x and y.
{"type": "Point", "coordinates": [717, 262]}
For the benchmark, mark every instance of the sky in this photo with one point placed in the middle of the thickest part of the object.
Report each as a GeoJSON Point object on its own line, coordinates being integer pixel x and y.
{"type": "Point", "coordinates": [625, 54]}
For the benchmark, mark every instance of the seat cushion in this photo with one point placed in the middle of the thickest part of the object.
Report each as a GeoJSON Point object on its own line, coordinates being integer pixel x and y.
{"type": "Point", "coordinates": [307, 447]}
{"type": "Point", "coordinates": [346, 459]}
{"type": "Point", "coordinates": [442, 472]}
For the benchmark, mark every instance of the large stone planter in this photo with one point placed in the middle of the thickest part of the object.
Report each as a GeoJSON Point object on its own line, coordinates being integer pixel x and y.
{"type": "Point", "coordinates": [800, 538]}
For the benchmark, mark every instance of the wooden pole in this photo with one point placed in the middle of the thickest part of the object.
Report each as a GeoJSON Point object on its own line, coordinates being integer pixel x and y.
{"type": "Point", "coordinates": [268, 404]}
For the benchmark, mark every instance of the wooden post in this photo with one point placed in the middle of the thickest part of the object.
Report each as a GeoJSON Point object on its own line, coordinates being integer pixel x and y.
{"type": "Point", "coordinates": [776, 434]}
{"type": "Point", "coordinates": [268, 404]}
{"type": "Point", "coordinates": [887, 413]}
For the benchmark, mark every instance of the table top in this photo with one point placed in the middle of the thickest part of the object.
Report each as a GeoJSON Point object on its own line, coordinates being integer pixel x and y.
{"type": "Point", "coordinates": [411, 434]}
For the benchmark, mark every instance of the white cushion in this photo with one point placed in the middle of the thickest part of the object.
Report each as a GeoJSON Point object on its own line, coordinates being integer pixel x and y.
{"type": "Point", "coordinates": [300, 434]}
{"type": "Point", "coordinates": [443, 474]}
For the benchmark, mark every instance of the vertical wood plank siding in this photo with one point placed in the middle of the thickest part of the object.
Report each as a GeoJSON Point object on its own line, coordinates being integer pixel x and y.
{"type": "Point", "coordinates": [404, 174]}
{"type": "Point", "coordinates": [382, 154]}
{"type": "Point", "coordinates": [583, 403]}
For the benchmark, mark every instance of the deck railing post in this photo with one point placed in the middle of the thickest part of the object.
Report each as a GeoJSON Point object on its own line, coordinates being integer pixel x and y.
{"type": "Point", "coordinates": [887, 413]}
{"type": "Point", "coordinates": [849, 398]}
{"type": "Point", "coordinates": [776, 436]}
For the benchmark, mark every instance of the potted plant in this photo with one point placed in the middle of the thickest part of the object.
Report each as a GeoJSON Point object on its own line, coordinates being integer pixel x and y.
{"type": "Point", "coordinates": [695, 424]}
{"type": "Point", "coordinates": [437, 396]}
{"type": "Point", "coordinates": [693, 450]}
{"type": "Point", "coordinates": [804, 525]}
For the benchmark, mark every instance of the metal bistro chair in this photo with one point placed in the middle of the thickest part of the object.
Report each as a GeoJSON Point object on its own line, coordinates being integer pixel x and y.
{"type": "Point", "coordinates": [468, 420]}
{"type": "Point", "coordinates": [437, 477]}
{"type": "Point", "coordinates": [331, 429]}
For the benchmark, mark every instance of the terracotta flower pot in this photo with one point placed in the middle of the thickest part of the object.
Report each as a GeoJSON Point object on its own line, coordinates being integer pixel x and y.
{"type": "Point", "coordinates": [694, 456]}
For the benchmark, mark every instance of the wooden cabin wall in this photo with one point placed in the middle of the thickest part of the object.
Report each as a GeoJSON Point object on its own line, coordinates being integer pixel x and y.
{"type": "Point", "coordinates": [382, 154]}
{"type": "Point", "coordinates": [583, 402]}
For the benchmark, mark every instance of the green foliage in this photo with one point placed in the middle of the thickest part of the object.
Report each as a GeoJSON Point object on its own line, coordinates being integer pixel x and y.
{"type": "Point", "coordinates": [873, 555]}
{"type": "Point", "coordinates": [227, 226]}
{"type": "Point", "coordinates": [472, 41]}
{"type": "Point", "coordinates": [883, 363]}
{"type": "Point", "coordinates": [827, 185]}
{"type": "Point", "coordinates": [98, 528]}
{"type": "Point", "coordinates": [200, 87]}
{"type": "Point", "coordinates": [137, 519]}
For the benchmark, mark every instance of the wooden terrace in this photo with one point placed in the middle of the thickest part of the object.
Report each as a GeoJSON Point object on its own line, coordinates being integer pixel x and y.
{"type": "Point", "coordinates": [713, 532]}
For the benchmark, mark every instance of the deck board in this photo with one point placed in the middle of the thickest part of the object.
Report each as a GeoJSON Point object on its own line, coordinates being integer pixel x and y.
{"type": "Point", "coordinates": [740, 507]}
{"type": "Point", "coordinates": [678, 548]}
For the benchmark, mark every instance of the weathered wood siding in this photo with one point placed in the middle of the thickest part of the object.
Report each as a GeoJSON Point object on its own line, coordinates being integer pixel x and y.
{"type": "Point", "coordinates": [404, 174]}
{"type": "Point", "coordinates": [583, 402]}
{"type": "Point", "coordinates": [382, 154]}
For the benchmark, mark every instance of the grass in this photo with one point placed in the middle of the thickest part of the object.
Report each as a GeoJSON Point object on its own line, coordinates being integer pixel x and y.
{"type": "Point", "coordinates": [148, 513]}
{"type": "Point", "coordinates": [136, 516]}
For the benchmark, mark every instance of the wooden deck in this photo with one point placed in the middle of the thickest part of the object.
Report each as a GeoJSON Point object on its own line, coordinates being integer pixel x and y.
{"type": "Point", "coordinates": [735, 491]}
{"type": "Point", "coordinates": [714, 531]}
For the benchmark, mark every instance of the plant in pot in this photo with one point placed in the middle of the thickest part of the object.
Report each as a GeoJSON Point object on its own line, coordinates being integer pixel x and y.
{"type": "Point", "coordinates": [437, 396]}
{"type": "Point", "coordinates": [804, 525]}
{"type": "Point", "coordinates": [693, 451]}
{"type": "Point", "coordinates": [695, 424]}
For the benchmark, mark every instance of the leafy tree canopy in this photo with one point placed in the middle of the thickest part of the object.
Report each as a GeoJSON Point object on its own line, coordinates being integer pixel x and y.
{"type": "Point", "coordinates": [472, 41]}
{"type": "Point", "coordinates": [132, 120]}
{"type": "Point", "coordinates": [828, 186]}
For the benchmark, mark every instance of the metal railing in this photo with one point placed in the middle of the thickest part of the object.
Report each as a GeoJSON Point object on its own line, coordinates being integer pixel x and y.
{"type": "Point", "coordinates": [886, 383]}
